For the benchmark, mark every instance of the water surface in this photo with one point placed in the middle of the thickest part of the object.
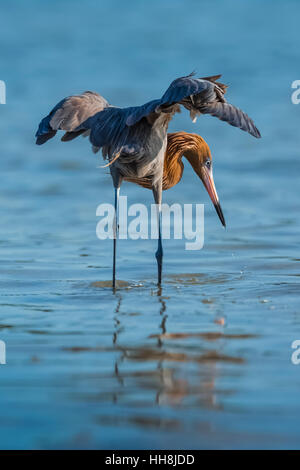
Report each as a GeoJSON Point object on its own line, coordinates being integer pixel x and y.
{"type": "Point", "coordinates": [205, 362]}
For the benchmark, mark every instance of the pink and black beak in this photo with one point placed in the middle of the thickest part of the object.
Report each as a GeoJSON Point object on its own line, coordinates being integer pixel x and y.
{"type": "Point", "coordinates": [208, 181]}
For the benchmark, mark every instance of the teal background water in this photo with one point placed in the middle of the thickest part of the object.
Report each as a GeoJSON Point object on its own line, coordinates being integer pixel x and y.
{"type": "Point", "coordinates": [206, 362]}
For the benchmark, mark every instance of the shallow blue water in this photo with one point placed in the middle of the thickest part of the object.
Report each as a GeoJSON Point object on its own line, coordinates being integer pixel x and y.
{"type": "Point", "coordinates": [140, 368]}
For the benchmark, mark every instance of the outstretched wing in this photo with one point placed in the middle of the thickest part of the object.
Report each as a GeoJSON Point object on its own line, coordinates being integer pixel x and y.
{"type": "Point", "coordinates": [69, 115]}
{"type": "Point", "coordinates": [199, 96]}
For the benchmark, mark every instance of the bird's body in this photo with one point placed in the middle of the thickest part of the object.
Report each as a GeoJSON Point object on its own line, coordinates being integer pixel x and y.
{"type": "Point", "coordinates": [134, 139]}
{"type": "Point", "coordinates": [143, 155]}
{"type": "Point", "coordinates": [179, 145]}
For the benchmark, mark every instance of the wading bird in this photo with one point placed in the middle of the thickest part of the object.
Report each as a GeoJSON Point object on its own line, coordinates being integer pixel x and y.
{"type": "Point", "coordinates": [134, 139]}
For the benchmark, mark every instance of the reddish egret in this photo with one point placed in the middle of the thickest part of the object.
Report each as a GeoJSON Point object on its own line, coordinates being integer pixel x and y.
{"type": "Point", "coordinates": [134, 139]}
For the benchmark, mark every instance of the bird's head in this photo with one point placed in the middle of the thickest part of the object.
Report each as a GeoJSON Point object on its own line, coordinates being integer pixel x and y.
{"type": "Point", "coordinates": [197, 152]}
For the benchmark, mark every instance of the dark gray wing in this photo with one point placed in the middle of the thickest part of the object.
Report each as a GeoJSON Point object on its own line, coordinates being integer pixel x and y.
{"type": "Point", "coordinates": [90, 114]}
{"type": "Point", "coordinates": [199, 96]}
{"type": "Point", "coordinates": [109, 130]}
{"type": "Point", "coordinates": [69, 115]}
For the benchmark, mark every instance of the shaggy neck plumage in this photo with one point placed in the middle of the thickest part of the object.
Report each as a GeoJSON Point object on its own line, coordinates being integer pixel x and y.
{"type": "Point", "coordinates": [180, 144]}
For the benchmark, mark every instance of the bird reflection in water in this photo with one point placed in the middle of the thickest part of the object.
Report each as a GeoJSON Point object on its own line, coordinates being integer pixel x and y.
{"type": "Point", "coordinates": [171, 383]}
{"type": "Point", "coordinates": [118, 330]}
{"type": "Point", "coordinates": [163, 315]}
{"type": "Point", "coordinates": [172, 390]}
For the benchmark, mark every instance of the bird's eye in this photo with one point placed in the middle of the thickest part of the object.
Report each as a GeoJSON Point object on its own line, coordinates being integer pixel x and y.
{"type": "Point", "coordinates": [208, 163]}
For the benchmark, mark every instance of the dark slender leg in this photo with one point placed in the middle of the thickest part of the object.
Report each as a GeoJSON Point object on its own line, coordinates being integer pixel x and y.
{"type": "Point", "coordinates": [117, 180]}
{"type": "Point", "coordinates": [116, 232]}
{"type": "Point", "coordinates": [157, 193]}
{"type": "Point", "coordinates": [159, 253]}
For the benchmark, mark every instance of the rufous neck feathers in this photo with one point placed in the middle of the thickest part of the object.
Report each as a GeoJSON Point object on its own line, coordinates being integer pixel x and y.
{"type": "Point", "coordinates": [180, 144]}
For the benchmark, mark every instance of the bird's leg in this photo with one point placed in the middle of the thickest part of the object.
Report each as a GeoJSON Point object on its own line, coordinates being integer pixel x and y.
{"type": "Point", "coordinates": [159, 252]}
{"type": "Point", "coordinates": [157, 193]}
{"type": "Point", "coordinates": [116, 232]}
{"type": "Point", "coordinates": [117, 180]}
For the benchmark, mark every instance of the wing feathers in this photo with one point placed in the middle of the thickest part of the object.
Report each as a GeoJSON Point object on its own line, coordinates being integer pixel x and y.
{"type": "Point", "coordinates": [69, 114]}
{"type": "Point", "coordinates": [199, 96]}
{"type": "Point", "coordinates": [234, 116]}
{"type": "Point", "coordinates": [72, 135]}
{"type": "Point", "coordinates": [110, 126]}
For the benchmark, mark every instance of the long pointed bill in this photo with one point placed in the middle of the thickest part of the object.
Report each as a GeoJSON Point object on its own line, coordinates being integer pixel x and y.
{"type": "Point", "coordinates": [209, 184]}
